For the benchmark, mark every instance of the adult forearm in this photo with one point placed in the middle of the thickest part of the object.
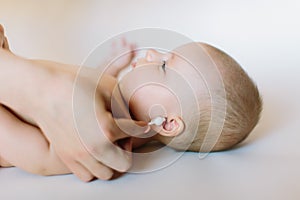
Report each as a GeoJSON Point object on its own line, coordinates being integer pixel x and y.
{"type": "Point", "coordinates": [19, 82]}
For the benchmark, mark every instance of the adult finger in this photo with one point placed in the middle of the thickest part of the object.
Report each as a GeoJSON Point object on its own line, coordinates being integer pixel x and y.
{"type": "Point", "coordinates": [112, 97]}
{"type": "Point", "coordinates": [122, 128]}
{"type": "Point", "coordinates": [111, 155]}
{"type": "Point", "coordinates": [116, 157]}
{"type": "Point", "coordinates": [79, 170]}
{"type": "Point", "coordinates": [5, 44]}
{"type": "Point", "coordinates": [96, 168]}
{"type": "Point", "coordinates": [1, 29]}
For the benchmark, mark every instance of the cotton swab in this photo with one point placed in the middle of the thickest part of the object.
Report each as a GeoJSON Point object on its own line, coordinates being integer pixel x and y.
{"type": "Point", "coordinates": [158, 121]}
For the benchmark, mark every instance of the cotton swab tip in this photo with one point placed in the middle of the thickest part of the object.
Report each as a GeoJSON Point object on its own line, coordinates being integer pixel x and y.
{"type": "Point", "coordinates": [158, 121]}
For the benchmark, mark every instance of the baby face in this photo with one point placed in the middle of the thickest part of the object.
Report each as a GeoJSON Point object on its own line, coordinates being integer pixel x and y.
{"type": "Point", "coordinates": [157, 87]}
{"type": "Point", "coordinates": [146, 88]}
{"type": "Point", "coordinates": [154, 98]}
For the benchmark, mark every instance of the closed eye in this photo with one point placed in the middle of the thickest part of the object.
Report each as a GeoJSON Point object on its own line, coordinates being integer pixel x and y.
{"type": "Point", "coordinates": [164, 66]}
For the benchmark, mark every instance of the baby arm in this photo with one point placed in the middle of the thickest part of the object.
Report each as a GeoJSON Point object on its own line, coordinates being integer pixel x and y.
{"type": "Point", "coordinates": [24, 146]}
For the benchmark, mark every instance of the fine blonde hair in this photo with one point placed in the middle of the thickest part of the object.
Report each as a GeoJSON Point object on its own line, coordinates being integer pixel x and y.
{"type": "Point", "coordinates": [243, 107]}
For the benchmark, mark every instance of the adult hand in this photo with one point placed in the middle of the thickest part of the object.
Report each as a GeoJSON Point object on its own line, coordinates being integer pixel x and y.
{"type": "Point", "coordinates": [77, 121]}
{"type": "Point", "coordinates": [41, 92]}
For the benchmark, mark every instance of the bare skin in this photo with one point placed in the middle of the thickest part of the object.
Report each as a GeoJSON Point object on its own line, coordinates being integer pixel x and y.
{"type": "Point", "coordinates": [45, 124]}
{"type": "Point", "coordinates": [45, 137]}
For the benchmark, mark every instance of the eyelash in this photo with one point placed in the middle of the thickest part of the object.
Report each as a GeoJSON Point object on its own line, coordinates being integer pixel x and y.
{"type": "Point", "coordinates": [164, 66]}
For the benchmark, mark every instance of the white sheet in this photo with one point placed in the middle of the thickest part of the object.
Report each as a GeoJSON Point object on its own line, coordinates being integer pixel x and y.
{"type": "Point", "coordinates": [262, 35]}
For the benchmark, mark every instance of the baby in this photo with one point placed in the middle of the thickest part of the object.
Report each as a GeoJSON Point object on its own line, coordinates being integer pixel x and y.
{"type": "Point", "coordinates": [168, 88]}
{"type": "Point", "coordinates": [234, 103]}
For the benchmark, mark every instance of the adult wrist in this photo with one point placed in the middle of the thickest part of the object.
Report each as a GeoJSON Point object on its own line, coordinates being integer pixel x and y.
{"type": "Point", "coordinates": [26, 86]}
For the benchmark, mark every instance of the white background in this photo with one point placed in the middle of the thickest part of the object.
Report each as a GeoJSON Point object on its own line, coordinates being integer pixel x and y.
{"type": "Point", "coordinates": [262, 35]}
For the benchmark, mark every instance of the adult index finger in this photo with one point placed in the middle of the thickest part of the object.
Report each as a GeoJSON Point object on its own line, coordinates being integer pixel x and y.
{"type": "Point", "coordinates": [118, 158]}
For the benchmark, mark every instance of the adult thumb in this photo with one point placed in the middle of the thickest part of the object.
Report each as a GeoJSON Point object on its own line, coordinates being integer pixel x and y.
{"type": "Point", "coordinates": [129, 127]}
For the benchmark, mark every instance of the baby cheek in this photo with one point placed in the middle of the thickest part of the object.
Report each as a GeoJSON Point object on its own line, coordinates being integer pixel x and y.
{"type": "Point", "coordinates": [137, 108]}
{"type": "Point", "coordinates": [143, 107]}
{"type": "Point", "coordinates": [152, 101]}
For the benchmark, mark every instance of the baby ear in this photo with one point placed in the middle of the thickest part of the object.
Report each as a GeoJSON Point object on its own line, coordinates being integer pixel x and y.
{"type": "Point", "coordinates": [172, 127]}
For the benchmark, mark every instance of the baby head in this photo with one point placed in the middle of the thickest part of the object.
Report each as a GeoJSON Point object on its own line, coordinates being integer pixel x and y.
{"type": "Point", "coordinates": [168, 84]}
